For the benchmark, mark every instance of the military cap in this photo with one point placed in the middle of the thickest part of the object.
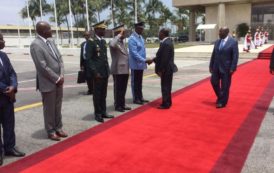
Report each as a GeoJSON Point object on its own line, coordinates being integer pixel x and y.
{"type": "Point", "coordinates": [118, 28]}
{"type": "Point", "coordinates": [140, 24]}
{"type": "Point", "coordinates": [100, 25]}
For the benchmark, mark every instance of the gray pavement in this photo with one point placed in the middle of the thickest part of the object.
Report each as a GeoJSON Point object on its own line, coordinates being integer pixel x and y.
{"type": "Point", "coordinates": [78, 108]}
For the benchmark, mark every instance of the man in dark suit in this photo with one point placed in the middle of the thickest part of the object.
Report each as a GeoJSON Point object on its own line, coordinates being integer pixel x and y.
{"type": "Point", "coordinates": [96, 53]}
{"type": "Point", "coordinates": [8, 89]}
{"type": "Point", "coordinates": [50, 79]}
{"type": "Point", "coordinates": [83, 63]}
{"type": "Point", "coordinates": [164, 67]}
{"type": "Point", "coordinates": [223, 64]}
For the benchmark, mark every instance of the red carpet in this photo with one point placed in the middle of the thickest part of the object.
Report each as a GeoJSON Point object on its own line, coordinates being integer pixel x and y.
{"type": "Point", "coordinates": [192, 137]}
{"type": "Point", "coordinates": [266, 54]}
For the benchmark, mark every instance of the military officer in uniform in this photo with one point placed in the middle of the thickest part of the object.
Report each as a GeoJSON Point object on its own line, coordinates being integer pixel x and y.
{"type": "Point", "coordinates": [83, 63]}
{"type": "Point", "coordinates": [137, 62]}
{"type": "Point", "coordinates": [119, 68]}
{"type": "Point", "coordinates": [97, 60]}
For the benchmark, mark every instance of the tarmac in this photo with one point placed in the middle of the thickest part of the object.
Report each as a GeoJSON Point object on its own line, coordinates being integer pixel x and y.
{"type": "Point", "coordinates": [77, 107]}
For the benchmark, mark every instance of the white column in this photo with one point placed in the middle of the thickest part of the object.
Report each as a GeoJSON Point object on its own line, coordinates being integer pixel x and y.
{"type": "Point", "coordinates": [56, 24]}
{"type": "Point", "coordinates": [41, 10]}
{"type": "Point", "coordinates": [70, 17]}
{"type": "Point", "coordinates": [221, 15]}
{"type": "Point", "coordinates": [29, 20]}
{"type": "Point", "coordinates": [87, 15]}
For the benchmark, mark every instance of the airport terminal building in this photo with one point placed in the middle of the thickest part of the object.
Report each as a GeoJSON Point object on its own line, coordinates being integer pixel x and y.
{"type": "Point", "coordinates": [230, 13]}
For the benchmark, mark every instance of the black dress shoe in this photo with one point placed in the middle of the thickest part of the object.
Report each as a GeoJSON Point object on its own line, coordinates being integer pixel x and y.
{"type": "Point", "coordinates": [220, 105]}
{"type": "Point", "coordinates": [126, 108]}
{"type": "Point", "coordinates": [99, 119]}
{"type": "Point", "coordinates": [144, 101]}
{"type": "Point", "coordinates": [138, 102]}
{"type": "Point", "coordinates": [119, 109]}
{"type": "Point", "coordinates": [14, 152]}
{"type": "Point", "coordinates": [163, 107]}
{"type": "Point", "coordinates": [1, 159]}
{"type": "Point", "coordinates": [107, 116]}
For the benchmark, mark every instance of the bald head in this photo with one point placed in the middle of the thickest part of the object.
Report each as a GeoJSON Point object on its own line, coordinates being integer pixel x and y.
{"type": "Point", "coordinates": [43, 29]}
{"type": "Point", "coordinates": [223, 32]}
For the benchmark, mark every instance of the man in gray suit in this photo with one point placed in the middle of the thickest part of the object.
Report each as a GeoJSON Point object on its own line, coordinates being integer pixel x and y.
{"type": "Point", "coordinates": [119, 68]}
{"type": "Point", "coordinates": [50, 78]}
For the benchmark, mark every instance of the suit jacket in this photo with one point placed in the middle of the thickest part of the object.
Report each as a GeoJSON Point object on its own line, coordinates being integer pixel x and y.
{"type": "Point", "coordinates": [97, 60]}
{"type": "Point", "coordinates": [272, 60]}
{"type": "Point", "coordinates": [119, 55]}
{"type": "Point", "coordinates": [225, 59]}
{"type": "Point", "coordinates": [48, 67]}
{"type": "Point", "coordinates": [137, 52]}
{"type": "Point", "coordinates": [8, 76]}
{"type": "Point", "coordinates": [164, 60]}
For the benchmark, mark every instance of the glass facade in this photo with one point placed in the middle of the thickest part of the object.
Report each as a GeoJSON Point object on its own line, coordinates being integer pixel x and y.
{"type": "Point", "coordinates": [263, 16]}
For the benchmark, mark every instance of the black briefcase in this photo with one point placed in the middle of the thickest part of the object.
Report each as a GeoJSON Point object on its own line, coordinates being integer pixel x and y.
{"type": "Point", "coordinates": [81, 77]}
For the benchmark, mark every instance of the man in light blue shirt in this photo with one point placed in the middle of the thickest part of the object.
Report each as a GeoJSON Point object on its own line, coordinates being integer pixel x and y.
{"type": "Point", "coordinates": [137, 62]}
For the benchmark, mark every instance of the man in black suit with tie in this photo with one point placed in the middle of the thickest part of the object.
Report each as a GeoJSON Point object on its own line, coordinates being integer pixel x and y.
{"type": "Point", "coordinates": [164, 67]}
{"type": "Point", "coordinates": [83, 63]}
{"type": "Point", "coordinates": [223, 64]}
{"type": "Point", "coordinates": [8, 89]}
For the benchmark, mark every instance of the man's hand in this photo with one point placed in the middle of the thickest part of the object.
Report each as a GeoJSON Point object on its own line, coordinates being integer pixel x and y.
{"type": "Point", "coordinates": [61, 81]}
{"type": "Point", "coordinates": [232, 72]}
{"type": "Point", "coordinates": [98, 76]}
{"type": "Point", "coordinates": [149, 61]}
{"type": "Point", "coordinates": [159, 74]}
{"type": "Point", "coordinates": [272, 71]}
{"type": "Point", "coordinates": [210, 70]}
{"type": "Point", "coordinates": [10, 92]}
{"type": "Point", "coordinates": [82, 68]}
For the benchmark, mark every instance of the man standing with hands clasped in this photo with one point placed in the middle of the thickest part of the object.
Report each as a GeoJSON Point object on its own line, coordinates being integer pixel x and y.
{"type": "Point", "coordinates": [50, 79]}
{"type": "Point", "coordinates": [223, 64]}
{"type": "Point", "coordinates": [8, 89]}
{"type": "Point", "coordinates": [165, 67]}
{"type": "Point", "coordinates": [96, 53]}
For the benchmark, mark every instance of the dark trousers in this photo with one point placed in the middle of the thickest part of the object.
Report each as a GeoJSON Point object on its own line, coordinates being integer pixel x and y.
{"type": "Point", "coordinates": [120, 88]}
{"type": "Point", "coordinates": [90, 85]}
{"type": "Point", "coordinates": [136, 84]}
{"type": "Point", "coordinates": [89, 79]}
{"type": "Point", "coordinates": [166, 87]}
{"type": "Point", "coordinates": [100, 95]}
{"type": "Point", "coordinates": [221, 83]}
{"type": "Point", "coordinates": [7, 123]}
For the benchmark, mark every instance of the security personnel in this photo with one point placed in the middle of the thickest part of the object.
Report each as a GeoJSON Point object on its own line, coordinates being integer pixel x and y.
{"type": "Point", "coordinates": [119, 68]}
{"type": "Point", "coordinates": [97, 60]}
{"type": "Point", "coordinates": [83, 63]}
{"type": "Point", "coordinates": [137, 62]}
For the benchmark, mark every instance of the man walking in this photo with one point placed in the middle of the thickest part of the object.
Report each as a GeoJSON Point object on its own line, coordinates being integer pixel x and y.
{"type": "Point", "coordinates": [164, 67]}
{"type": "Point", "coordinates": [119, 68]}
{"type": "Point", "coordinates": [223, 64]}
{"type": "Point", "coordinates": [137, 62]}
{"type": "Point", "coordinates": [50, 79]}
{"type": "Point", "coordinates": [8, 89]}
{"type": "Point", "coordinates": [96, 53]}
{"type": "Point", "coordinates": [83, 63]}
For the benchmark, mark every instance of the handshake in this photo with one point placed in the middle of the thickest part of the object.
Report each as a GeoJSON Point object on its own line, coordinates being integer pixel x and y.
{"type": "Point", "coordinates": [149, 61]}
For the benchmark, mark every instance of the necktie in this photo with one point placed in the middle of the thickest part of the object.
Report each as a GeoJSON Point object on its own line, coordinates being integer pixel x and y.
{"type": "Point", "coordinates": [51, 48]}
{"type": "Point", "coordinates": [222, 44]}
